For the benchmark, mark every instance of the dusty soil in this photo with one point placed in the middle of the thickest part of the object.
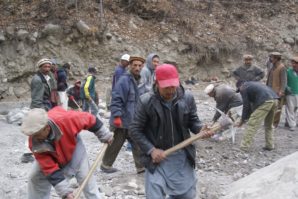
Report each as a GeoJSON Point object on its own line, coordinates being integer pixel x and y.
{"type": "Point", "coordinates": [218, 163]}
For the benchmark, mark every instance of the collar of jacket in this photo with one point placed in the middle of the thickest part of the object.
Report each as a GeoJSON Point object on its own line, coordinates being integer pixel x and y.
{"type": "Point", "coordinates": [47, 145]}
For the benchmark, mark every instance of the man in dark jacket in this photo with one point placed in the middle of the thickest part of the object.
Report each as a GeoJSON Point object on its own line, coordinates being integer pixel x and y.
{"type": "Point", "coordinates": [62, 73]}
{"type": "Point", "coordinates": [120, 69]}
{"type": "Point", "coordinates": [259, 104]}
{"type": "Point", "coordinates": [73, 94]}
{"type": "Point", "coordinates": [124, 99]}
{"type": "Point", "coordinates": [225, 98]}
{"type": "Point", "coordinates": [41, 86]}
{"type": "Point", "coordinates": [163, 119]}
{"type": "Point", "coordinates": [248, 72]}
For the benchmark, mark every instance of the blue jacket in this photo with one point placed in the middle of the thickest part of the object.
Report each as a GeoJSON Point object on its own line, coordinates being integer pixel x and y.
{"type": "Point", "coordinates": [62, 78]}
{"type": "Point", "coordinates": [124, 99]}
{"type": "Point", "coordinates": [119, 71]}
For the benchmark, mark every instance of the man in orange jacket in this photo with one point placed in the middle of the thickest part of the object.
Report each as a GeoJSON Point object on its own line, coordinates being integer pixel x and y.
{"type": "Point", "coordinates": [59, 151]}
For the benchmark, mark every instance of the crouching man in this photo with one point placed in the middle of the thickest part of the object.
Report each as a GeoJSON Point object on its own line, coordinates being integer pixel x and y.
{"type": "Point", "coordinates": [59, 151]}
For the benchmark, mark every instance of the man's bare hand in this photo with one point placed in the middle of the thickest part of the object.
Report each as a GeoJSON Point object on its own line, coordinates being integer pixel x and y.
{"type": "Point", "coordinates": [69, 196]}
{"type": "Point", "coordinates": [157, 155]}
{"type": "Point", "coordinates": [110, 141]}
{"type": "Point", "coordinates": [239, 124]}
{"type": "Point", "coordinates": [207, 133]}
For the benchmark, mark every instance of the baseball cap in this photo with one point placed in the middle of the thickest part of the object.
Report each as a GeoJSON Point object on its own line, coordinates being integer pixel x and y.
{"type": "Point", "coordinates": [125, 57]}
{"type": "Point", "coordinates": [167, 75]}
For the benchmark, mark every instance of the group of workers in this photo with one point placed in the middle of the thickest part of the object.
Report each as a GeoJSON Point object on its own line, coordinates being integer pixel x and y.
{"type": "Point", "coordinates": [151, 109]}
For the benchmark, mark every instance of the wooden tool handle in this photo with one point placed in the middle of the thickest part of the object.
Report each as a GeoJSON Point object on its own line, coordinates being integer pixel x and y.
{"type": "Point", "coordinates": [97, 160]}
{"type": "Point", "coordinates": [190, 140]}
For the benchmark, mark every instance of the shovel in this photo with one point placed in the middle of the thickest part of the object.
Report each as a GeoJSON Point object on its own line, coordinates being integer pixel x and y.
{"type": "Point", "coordinates": [93, 167]}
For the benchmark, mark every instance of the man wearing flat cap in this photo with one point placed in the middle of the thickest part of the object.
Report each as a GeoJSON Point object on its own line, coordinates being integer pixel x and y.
{"type": "Point", "coordinates": [292, 95]}
{"type": "Point", "coordinates": [277, 80]}
{"type": "Point", "coordinates": [59, 151]}
{"type": "Point", "coordinates": [248, 72]}
{"type": "Point", "coordinates": [41, 86]}
{"type": "Point", "coordinates": [124, 99]}
{"type": "Point", "coordinates": [164, 118]}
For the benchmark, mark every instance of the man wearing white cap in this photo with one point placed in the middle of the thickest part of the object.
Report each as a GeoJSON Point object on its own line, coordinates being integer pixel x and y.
{"type": "Point", "coordinates": [41, 87]}
{"type": "Point", "coordinates": [59, 151]}
{"type": "Point", "coordinates": [225, 97]}
{"type": "Point", "coordinates": [119, 71]}
{"type": "Point", "coordinates": [163, 119]}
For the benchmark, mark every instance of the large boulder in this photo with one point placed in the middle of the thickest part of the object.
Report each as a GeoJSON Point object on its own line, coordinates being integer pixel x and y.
{"type": "Point", "coordinates": [52, 29]}
{"type": "Point", "coordinates": [16, 115]}
{"type": "Point", "coordinates": [278, 180]}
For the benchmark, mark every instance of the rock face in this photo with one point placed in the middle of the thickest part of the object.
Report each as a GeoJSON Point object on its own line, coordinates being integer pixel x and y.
{"type": "Point", "coordinates": [201, 37]}
{"type": "Point", "coordinates": [279, 180]}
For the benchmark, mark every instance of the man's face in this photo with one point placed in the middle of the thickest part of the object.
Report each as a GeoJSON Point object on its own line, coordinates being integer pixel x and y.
{"type": "Point", "coordinates": [136, 67]}
{"type": "Point", "coordinates": [124, 63]}
{"type": "Point", "coordinates": [155, 62]}
{"type": "Point", "coordinates": [295, 65]}
{"type": "Point", "coordinates": [78, 84]}
{"type": "Point", "coordinates": [45, 69]}
{"type": "Point", "coordinates": [167, 93]}
{"type": "Point", "coordinates": [248, 62]}
{"type": "Point", "coordinates": [42, 134]}
{"type": "Point", "coordinates": [274, 59]}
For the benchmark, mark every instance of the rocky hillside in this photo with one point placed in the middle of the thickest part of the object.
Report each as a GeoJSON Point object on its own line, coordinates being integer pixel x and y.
{"type": "Point", "coordinates": [204, 37]}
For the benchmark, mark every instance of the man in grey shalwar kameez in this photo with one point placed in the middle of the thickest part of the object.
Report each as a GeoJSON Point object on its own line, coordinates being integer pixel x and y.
{"type": "Point", "coordinates": [164, 118]}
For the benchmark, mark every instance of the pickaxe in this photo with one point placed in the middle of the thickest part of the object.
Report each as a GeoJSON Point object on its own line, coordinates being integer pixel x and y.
{"type": "Point", "coordinates": [222, 124]}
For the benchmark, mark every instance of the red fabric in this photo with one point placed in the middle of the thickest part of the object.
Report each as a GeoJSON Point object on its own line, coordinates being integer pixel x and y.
{"type": "Point", "coordinates": [167, 75]}
{"type": "Point", "coordinates": [70, 123]}
{"type": "Point", "coordinates": [117, 122]}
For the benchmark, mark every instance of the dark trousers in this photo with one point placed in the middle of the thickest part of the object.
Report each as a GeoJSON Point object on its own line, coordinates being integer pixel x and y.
{"type": "Point", "coordinates": [120, 135]}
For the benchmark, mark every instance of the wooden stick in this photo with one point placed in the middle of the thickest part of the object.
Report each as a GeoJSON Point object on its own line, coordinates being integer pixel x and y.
{"type": "Point", "coordinates": [97, 160]}
{"type": "Point", "coordinates": [190, 140]}
{"type": "Point", "coordinates": [77, 104]}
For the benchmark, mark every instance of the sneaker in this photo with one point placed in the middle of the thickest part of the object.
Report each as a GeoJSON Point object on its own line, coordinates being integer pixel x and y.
{"type": "Point", "coordinates": [27, 157]}
{"type": "Point", "coordinates": [267, 148]}
{"type": "Point", "coordinates": [107, 169]}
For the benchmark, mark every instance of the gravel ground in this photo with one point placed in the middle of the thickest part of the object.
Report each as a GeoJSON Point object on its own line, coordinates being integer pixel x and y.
{"type": "Point", "coordinates": [218, 163]}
